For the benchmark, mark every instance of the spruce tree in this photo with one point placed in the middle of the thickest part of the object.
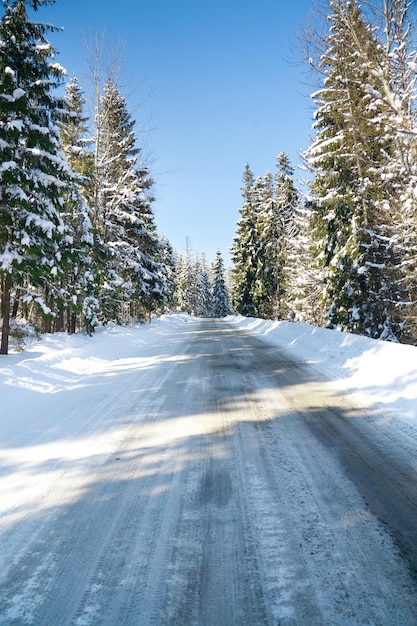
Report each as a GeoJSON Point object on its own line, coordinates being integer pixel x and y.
{"type": "Point", "coordinates": [264, 285]}
{"type": "Point", "coordinates": [202, 288]}
{"type": "Point", "coordinates": [81, 275]}
{"type": "Point", "coordinates": [182, 269]}
{"type": "Point", "coordinates": [34, 172]}
{"type": "Point", "coordinates": [245, 250]}
{"type": "Point", "coordinates": [260, 248]}
{"type": "Point", "coordinates": [286, 212]}
{"type": "Point", "coordinates": [193, 293]}
{"type": "Point", "coordinates": [396, 82]}
{"type": "Point", "coordinates": [350, 192]}
{"type": "Point", "coordinates": [168, 268]}
{"type": "Point", "coordinates": [220, 302]}
{"type": "Point", "coordinates": [127, 245]}
{"type": "Point", "coordinates": [305, 272]}
{"type": "Point", "coordinates": [277, 200]}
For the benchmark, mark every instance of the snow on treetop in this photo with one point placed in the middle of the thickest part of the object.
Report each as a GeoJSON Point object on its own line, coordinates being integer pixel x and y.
{"type": "Point", "coordinates": [58, 67]}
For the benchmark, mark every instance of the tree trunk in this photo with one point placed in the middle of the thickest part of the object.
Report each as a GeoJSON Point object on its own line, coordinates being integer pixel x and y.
{"type": "Point", "coordinates": [60, 320]}
{"type": "Point", "coordinates": [5, 308]}
{"type": "Point", "coordinates": [73, 323]}
{"type": "Point", "coordinates": [15, 306]}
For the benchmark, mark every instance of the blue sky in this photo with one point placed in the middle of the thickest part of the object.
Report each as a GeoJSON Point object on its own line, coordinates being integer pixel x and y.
{"type": "Point", "coordinates": [219, 85]}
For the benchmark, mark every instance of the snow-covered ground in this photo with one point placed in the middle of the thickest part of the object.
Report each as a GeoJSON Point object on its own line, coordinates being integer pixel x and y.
{"type": "Point", "coordinates": [148, 431]}
{"type": "Point", "coordinates": [384, 372]}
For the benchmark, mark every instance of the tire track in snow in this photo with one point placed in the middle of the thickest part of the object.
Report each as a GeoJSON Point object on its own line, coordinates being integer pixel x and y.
{"type": "Point", "coordinates": [347, 563]}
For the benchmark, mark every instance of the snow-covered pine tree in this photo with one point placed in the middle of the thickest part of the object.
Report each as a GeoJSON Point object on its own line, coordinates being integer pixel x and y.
{"type": "Point", "coordinates": [278, 200]}
{"type": "Point", "coordinates": [304, 271]}
{"type": "Point", "coordinates": [395, 85]}
{"type": "Point", "coordinates": [168, 268]}
{"type": "Point", "coordinates": [81, 275]}
{"type": "Point", "coordinates": [265, 285]}
{"type": "Point", "coordinates": [245, 250]}
{"type": "Point", "coordinates": [149, 263]}
{"type": "Point", "coordinates": [195, 286]}
{"type": "Point", "coordinates": [202, 288]}
{"type": "Point", "coordinates": [76, 138]}
{"type": "Point", "coordinates": [350, 192]}
{"type": "Point", "coordinates": [220, 301]}
{"type": "Point", "coordinates": [181, 273]}
{"type": "Point", "coordinates": [34, 171]}
{"type": "Point", "coordinates": [127, 244]}
{"type": "Point", "coordinates": [287, 219]}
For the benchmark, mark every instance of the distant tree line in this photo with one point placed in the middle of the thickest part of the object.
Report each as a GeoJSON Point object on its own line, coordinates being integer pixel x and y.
{"type": "Point", "coordinates": [343, 254]}
{"type": "Point", "coordinates": [201, 290]}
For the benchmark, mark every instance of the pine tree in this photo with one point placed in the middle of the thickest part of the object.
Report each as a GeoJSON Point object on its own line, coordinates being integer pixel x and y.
{"type": "Point", "coordinates": [264, 284]}
{"type": "Point", "coordinates": [75, 137]}
{"type": "Point", "coordinates": [81, 275]}
{"type": "Point", "coordinates": [305, 271]}
{"type": "Point", "coordinates": [287, 207]}
{"type": "Point", "coordinates": [351, 193]}
{"type": "Point", "coordinates": [202, 288]}
{"type": "Point", "coordinates": [182, 270]}
{"type": "Point", "coordinates": [220, 305]}
{"type": "Point", "coordinates": [396, 81]}
{"type": "Point", "coordinates": [245, 250]}
{"type": "Point", "coordinates": [33, 172]}
{"type": "Point", "coordinates": [168, 265]}
{"type": "Point", "coordinates": [127, 244]}
{"type": "Point", "coordinates": [278, 201]}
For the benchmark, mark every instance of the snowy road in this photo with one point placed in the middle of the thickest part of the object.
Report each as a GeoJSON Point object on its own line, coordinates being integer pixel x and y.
{"type": "Point", "coordinates": [214, 482]}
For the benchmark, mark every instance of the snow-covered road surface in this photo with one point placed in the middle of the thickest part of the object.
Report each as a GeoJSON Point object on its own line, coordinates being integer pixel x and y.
{"type": "Point", "coordinates": [214, 481]}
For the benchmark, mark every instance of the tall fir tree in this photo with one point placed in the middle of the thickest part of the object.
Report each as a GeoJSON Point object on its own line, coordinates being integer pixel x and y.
{"type": "Point", "coordinates": [168, 268]}
{"type": "Point", "coordinates": [182, 269]}
{"type": "Point", "coordinates": [220, 301]}
{"type": "Point", "coordinates": [305, 272]}
{"type": "Point", "coordinates": [126, 236]}
{"type": "Point", "coordinates": [81, 275]}
{"type": "Point", "coordinates": [245, 250]}
{"type": "Point", "coordinates": [278, 201]}
{"type": "Point", "coordinates": [202, 305]}
{"type": "Point", "coordinates": [34, 171]}
{"type": "Point", "coordinates": [395, 85]}
{"type": "Point", "coordinates": [286, 214]}
{"type": "Point", "coordinates": [264, 284]}
{"type": "Point", "coordinates": [350, 192]}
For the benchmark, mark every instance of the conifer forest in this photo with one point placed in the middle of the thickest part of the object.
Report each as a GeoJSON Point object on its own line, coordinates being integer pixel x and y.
{"type": "Point", "coordinates": [79, 243]}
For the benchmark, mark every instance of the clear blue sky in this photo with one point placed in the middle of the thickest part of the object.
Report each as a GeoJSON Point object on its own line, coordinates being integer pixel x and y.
{"type": "Point", "coordinates": [220, 87]}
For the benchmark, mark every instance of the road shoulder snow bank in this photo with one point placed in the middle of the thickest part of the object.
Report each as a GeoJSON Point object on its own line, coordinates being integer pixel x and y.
{"type": "Point", "coordinates": [384, 372]}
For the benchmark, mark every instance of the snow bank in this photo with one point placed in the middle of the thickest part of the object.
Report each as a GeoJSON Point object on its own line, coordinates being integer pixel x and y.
{"type": "Point", "coordinates": [385, 372]}
{"type": "Point", "coordinates": [61, 362]}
